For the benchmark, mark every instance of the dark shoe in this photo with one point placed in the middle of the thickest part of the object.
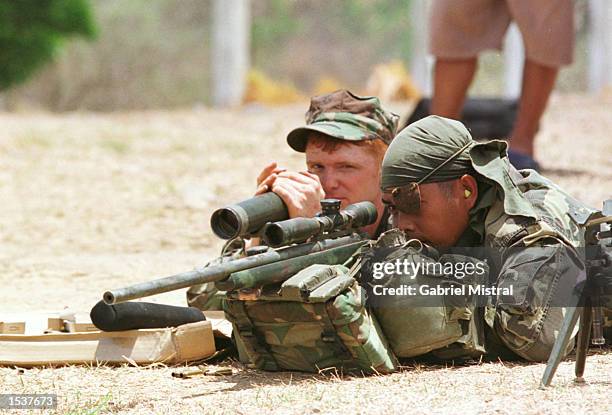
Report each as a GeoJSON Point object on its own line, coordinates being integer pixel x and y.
{"type": "Point", "coordinates": [522, 161]}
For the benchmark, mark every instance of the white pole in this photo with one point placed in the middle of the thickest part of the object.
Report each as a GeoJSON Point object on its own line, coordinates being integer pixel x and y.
{"type": "Point", "coordinates": [420, 62]}
{"type": "Point", "coordinates": [230, 50]}
{"type": "Point", "coordinates": [514, 59]}
{"type": "Point", "coordinates": [600, 45]}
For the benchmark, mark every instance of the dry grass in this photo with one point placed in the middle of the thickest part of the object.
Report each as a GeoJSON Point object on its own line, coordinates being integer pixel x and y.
{"type": "Point", "coordinates": [91, 202]}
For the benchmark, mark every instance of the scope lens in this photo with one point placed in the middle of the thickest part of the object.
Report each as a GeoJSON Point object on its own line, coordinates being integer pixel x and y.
{"type": "Point", "coordinates": [273, 235]}
{"type": "Point", "coordinates": [225, 224]}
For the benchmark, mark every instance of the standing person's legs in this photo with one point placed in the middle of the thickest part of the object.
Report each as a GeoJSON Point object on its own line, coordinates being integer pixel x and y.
{"type": "Point", "coordinates": [452, 78]}
{"type": "Point", "coordinates": [538, 83]}
{"type": "Point", "coordinates": [459, 31]}
{"type": "Point", "coordinates": [547, 30]}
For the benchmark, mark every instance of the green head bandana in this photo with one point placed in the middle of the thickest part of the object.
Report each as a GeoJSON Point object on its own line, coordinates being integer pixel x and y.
{"type": "Point", "coordinates": [437, 149]}
{"type": "Point", "coordinates": [422, 147]}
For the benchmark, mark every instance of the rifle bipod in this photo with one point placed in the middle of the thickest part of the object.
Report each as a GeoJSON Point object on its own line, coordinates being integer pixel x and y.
{"type": "Point", "coordinates": [593, 283]}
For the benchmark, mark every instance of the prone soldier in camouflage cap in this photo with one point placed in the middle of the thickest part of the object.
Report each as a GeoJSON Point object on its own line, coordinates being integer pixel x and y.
{"type": "Point", "coordinates": [445, 189]}
{"type": "Point", "coordinates": [344, 141]}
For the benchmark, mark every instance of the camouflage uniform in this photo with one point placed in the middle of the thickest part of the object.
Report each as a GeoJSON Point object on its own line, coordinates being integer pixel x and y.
{"type": "Point", "coordinates": [520, 219]}
{"type": "Point", "coordinates": [541, 259]}
{"type": "Point", "coordinates": [341, 115]}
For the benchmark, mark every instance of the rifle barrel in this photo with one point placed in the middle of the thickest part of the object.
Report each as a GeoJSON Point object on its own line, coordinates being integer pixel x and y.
{"type": "Point", "coordinates": [220, 272]}
{"type": "Point", "coordinates": [281, 270]}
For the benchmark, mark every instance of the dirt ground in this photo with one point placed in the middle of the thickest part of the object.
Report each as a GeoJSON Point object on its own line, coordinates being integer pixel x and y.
{"type": "Point", "coordinates": [90, 202]}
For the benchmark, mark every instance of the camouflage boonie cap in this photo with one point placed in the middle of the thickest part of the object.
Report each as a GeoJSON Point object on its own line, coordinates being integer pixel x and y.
{"type": "Point", "coordinates": [345, 116]}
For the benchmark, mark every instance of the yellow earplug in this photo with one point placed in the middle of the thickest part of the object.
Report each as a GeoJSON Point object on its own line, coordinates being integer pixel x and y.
{"type": "Point", "coordinates": [467, 193]}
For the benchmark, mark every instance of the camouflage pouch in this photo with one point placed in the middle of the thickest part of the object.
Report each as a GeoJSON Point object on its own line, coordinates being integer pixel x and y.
{"type": "Point", "coordinates": [448, 325]}
{"type": "Point", "coordinates": [315, 320]}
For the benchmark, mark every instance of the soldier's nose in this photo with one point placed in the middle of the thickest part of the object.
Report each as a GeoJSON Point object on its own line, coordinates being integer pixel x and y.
{"type": "Point", "coordinates": [329, 183]}
{"type": "Point", "coordinates": [400, 221]}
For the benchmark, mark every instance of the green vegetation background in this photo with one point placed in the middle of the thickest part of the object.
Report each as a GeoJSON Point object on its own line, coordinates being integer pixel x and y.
{"type": "Point", "coordinates": [31, 32]}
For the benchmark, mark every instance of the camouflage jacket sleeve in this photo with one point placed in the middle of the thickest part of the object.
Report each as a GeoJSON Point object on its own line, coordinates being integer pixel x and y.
{"type": "Point", "coordinates": [537, 281]}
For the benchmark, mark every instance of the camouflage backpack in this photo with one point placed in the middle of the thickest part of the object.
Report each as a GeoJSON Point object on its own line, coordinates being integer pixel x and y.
{"type": "Point", "coordinates": [315, 320]}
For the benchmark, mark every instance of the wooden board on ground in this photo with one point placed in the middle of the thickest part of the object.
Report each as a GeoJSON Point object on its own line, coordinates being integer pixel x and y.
{"type": "Point", "coordinates": [185, 343]}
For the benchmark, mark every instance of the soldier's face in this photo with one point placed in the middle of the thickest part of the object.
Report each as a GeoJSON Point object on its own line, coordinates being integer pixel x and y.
{"type": "Point", "coordinates": [349, 173]}
{"type": "Point", "coordinates": [442, 217]}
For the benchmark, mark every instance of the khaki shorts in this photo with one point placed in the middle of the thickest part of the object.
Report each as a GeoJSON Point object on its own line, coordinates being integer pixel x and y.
{"type": "Point", "coordinates": [464, 28]}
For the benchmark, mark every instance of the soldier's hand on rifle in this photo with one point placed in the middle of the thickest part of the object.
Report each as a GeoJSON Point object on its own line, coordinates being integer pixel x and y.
{"type": "Point", "coordinates": [302, 192]}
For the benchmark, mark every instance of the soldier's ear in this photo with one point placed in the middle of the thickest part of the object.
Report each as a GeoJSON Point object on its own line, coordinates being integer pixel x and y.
{"type": "Point", "coordinates": [470, 189]}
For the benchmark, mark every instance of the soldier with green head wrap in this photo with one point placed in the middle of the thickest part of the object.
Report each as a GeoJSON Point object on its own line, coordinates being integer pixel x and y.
{"type": "Point", "coordinates": [449, 191]}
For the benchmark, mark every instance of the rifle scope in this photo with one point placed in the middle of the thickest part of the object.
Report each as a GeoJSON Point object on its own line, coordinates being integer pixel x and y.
{"type": "Point", "coordinates": [249, 216]}
{"type": "Point", "coordinates": [331, 219]}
